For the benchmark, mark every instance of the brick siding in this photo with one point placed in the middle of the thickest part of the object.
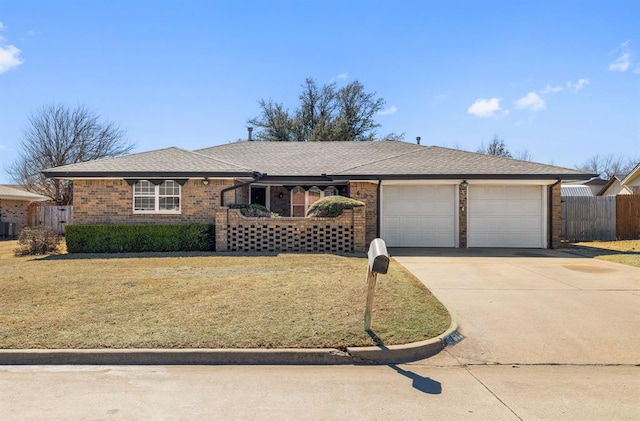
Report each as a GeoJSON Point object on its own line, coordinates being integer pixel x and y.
{"type": "Point", "coordinates": [556, 217]}
{"type": "Point", "coordinates": [14, 211]}
{"type": "Point", "coordinates": [111, 202]}
{"type": "Point", "coordinates": [367, 192]}
{"type": "Point", "coordinates": [462, 216]}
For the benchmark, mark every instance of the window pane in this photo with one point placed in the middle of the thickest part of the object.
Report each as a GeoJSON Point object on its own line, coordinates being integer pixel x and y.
{"type": "Point", "coordinates": [297, 196]}
{"type": "Point", "coordinates": [330, 191]}
{"type": "Point", "coordinates": [145, 203]}
{"type": "Point", "coordinates": [314, 195]}
{"type": "Point", "coordinates": [169, 203]}
{"type": "Point", "coordinates": [144, 188]}
{"type": "Point", "coordinates": [298, 211]}
{"type": "Point", "coordinates": [169, 188]}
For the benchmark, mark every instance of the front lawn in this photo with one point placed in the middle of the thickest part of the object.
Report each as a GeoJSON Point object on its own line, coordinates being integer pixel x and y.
{"type": "Point", "coordinates": [206, 301]}
{"type": "Point", "coordinates": [622, 251]}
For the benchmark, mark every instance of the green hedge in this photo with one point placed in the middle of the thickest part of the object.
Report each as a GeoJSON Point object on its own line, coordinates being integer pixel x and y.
{"type": "Point", "coordinates": [139, 238]}
{"type": "Point", "coordinates": [332, 206]}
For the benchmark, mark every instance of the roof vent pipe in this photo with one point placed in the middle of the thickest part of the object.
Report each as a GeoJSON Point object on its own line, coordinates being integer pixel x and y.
{"type": "Point", "coordinates": [249, 131]}
{"type": "Point", "coordinates": [418, 140]}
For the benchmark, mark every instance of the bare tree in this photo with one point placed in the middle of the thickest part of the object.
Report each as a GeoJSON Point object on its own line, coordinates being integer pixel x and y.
{"type": "Point", "coordinates": [325, 113]}
{"type": "Point", "coordinates": [609, 165]}
{"type": "Point", "coordinates": [496, 147]}
{"type": "Point", "coordinates": [56, 136]}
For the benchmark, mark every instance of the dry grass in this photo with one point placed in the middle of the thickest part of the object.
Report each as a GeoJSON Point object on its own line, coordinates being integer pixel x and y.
{"type": "Point", "coordinates": [206, 301]}
{"type": "Point", "coordinates": [626, 252]}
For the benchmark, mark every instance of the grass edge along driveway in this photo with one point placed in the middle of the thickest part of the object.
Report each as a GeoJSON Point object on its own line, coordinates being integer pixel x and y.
{"type": "Point", "coordinates": [207, 301]}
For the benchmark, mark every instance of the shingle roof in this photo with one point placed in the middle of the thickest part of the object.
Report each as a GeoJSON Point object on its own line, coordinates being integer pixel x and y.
{"type": "Point", "coordinates": [11, 192]}
{"type": "Point", "coordinates": [384, 159]}
{"type": "Point", "coordinates": [370, 159]}
{"type": "Point", "coordinates": [173, 160]}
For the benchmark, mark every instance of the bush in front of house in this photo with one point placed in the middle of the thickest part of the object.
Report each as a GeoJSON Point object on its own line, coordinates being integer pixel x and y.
{"type": "Point", "coordinates": [332, 206]}
{"type": "Point", "coordinates": [139, 238]}
{"type": "Point", "coordinates": [253, 210]}
{"type": "Point", "coordinates": [37, 240]}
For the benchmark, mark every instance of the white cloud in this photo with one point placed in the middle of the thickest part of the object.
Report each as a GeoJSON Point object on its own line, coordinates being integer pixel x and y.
{"type": "Point", "coordinates": [9, 55]}
{"type": "Point", "coordinates": [341, 76]}
{"type": "Point", "coordinates": [581, 83]}
{"type": "Point", "coordinates": [621, 64]}
{"type": "Point", "coordinates": [531, 101]}
{"type": "Point", "coordinates": [549, 89]}
{"type": "Point", "coordinates": [484, 107]}
{"type": "Point", "coordinates": [391, 110]}
{"type": "Point", "coordinates": [9, 58]}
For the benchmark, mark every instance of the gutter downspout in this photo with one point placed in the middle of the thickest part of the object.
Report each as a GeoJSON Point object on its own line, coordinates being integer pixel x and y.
{"type": "Point", "coordinates": [551, 212]}
{"type": "Point", "coordinates": [256, 177]}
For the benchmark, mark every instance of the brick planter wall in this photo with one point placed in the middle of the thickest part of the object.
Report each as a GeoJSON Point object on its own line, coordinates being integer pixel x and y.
{"type": "Point", "coordinates": [343, 234]}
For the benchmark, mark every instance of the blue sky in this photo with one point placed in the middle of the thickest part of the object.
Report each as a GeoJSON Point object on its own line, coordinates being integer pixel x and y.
{"type": "Point", "coordinates": [559, 79]}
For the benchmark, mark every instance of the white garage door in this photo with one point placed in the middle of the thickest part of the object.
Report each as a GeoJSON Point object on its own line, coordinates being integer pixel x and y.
{"type": "Point", "coordinates": [505, 216]}
{"type": "Point", "coordinates": [418, 216]}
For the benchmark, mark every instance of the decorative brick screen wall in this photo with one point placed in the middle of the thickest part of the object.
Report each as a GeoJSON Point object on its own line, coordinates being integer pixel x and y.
{"type": "Point", "coordinates": [344, 234]}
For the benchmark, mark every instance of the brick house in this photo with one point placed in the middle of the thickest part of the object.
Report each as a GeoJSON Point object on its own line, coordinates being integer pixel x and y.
{"type": "Point", "coordinates": [632, 180]}
{"type": "Point", "coordinates": [14, 205]}
{"type": "Point", "coordinates": [415, 196]}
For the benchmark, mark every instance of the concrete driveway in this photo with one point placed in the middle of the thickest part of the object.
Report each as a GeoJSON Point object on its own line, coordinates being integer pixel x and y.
{"type": "Point", "coordinates": [549, 334]}
{"type": "Point", "coordinates": [534, 306]}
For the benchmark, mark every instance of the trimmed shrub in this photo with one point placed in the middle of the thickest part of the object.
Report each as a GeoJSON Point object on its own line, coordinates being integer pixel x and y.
{"type": "Point", "coordinates": [37, 240]}
{"type": "Point", "coordinates": [253, 210]}
{"type": "Point", "coordinates": [332, 206]}
{"type": "Point", "coordinates": [139, 238]}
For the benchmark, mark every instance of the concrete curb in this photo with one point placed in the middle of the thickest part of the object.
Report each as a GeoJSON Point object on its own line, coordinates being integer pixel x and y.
{"type": "Point", "coordinates": [355, 355]}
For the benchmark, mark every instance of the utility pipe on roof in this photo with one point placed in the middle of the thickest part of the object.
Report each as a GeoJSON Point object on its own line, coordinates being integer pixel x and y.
{"type": "Point", "coordinates": [256, 177]}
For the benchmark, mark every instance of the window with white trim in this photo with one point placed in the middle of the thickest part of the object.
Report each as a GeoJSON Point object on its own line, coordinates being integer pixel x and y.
{"type": "Point", "coordinates": [301, 199]}
{"type": "Point", "coordinates": [163, 197]}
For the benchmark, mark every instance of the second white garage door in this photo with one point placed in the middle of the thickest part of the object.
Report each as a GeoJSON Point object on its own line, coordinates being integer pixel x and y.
{"type": "Point", "coordinates": [418, 216]}
{"type": "Point", "coordinates": [505, 216]}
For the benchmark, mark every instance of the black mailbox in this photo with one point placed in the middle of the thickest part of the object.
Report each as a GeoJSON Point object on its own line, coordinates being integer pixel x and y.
{"type": "Point", "coordinates": [378, 256]}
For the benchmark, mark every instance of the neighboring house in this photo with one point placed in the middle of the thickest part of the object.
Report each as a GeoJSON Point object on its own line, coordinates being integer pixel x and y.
{"type": "Point", "coordinates": [594, 184]}
{"type": "Point", "coordinates": [415, 196]}
{"type": "Point", "coordinates": [632, 180]}
{"type": "Point", "coordinates": [614, 187]}
{"type": "Point", "coordinates": [575, 190]}
{"type": "Point", "coordinates": [14, 204]}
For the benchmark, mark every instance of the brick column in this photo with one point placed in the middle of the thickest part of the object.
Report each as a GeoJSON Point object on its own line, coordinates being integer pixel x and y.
{"type": "Point", "coordinates": [359, 230]}
{"type": "Point", "coordinates": [462, 212]}
{"type": "Point", "coordinates": [556, 217]}
{"type": "Point", "coordinates": [221, 215]}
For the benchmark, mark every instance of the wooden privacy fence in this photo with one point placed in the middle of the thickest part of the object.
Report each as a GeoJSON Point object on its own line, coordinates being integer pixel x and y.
{"type": "Point", "coordinates": [55, 217]}
{"type": "Point", "coordinates": [628, 216]}
{"type": "Point", "coordinates": [600, 218]}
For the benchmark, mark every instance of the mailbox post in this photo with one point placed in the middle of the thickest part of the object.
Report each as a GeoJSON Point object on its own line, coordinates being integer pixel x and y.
{"type": "Point", "coordinates": [378, 263]}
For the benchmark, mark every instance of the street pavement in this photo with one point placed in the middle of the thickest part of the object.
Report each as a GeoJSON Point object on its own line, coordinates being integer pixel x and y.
{"type": "Point", "coordinates": [547, 335]}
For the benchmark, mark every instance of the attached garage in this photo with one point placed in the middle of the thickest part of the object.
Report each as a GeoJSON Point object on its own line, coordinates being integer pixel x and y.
{"type": "Point", "coordinates": [506, 216]}
{"type": "Point", "coordinates": [418, 215]}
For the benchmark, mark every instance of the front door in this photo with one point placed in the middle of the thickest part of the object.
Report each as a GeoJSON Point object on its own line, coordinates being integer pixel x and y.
{"type": "Point", "coordinates": [259, 195]}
